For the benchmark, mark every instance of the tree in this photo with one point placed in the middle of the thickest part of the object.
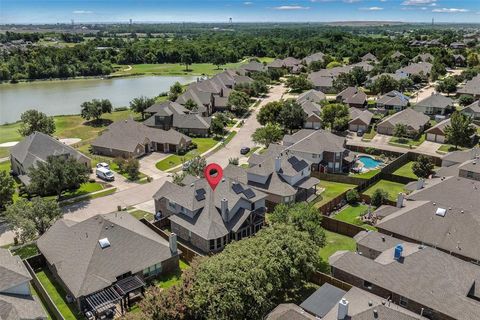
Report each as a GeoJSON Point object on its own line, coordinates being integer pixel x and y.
{"type": "Point", "coordinates": [299, 83]}
{"type": "Point", "coordinates": [260, 271]}
{"type": "Point", "coordinates": [465, 100]}
{"type": "Point", "coordinates": [291, 115]}
{"type": "Point", "coordinates": [95, 108]}
{"type": "Point", "coordinates": [449, 85]}
{"type": "Point", "coordinates": [175, 90]}
{"type": "Point", "coordinates": [400, 130]}
{"type": "Point", "coordinates": [404, 84]}
{"type": "Point", "coordinates": [7, 189]}
{"type": "Point", "coordinates": [335, 116]}
{"type": "Point", "coordinates": [191, 105]}
{"type": "Point", "coordinates": [270, 113]}
{"type": "Point", "coordinates": [56, 175]}
{"type": "Point", "coordinates": [423, 167]}
{"type": "Point", "coordinates": [186, 59]}
{"type": "Point", "coordinates": [472, 60]}
{"type": "Point", "coordinates": [196, 166]}
{"type": "Point", "coordinates": [177, 178]}
{"type": "Point", "coordinates": [219, 59]}
{"type": "Point", "coordinates": [379, 197]}
{"type": "Point", "coordinates": [460, 130]}
{"type": "Point", "coordinates": [356, 77]}
{"type": "Point", "coordinates": [217, 126]}
{"type": "Point", "coordinates": [438, 69]}
{"type": "Point", "coordinates": [238, 102]}
{"type": "Point", "coordinates": [268, 134]}
{"type": "Point", "coordinates": [303, 216]}
{"type": "Point", "coordinates": [36, 121]}
{"type": "Point", "coordinates": [141, 104]}
{"type": "Point", "coordinates": [384, 84]}
{"type": "Point", "coordinates": [30, 219]}
{"type": "Point", "coordinates": [132, 168]}
{"type": "Point", "coordinates": [352, 196]}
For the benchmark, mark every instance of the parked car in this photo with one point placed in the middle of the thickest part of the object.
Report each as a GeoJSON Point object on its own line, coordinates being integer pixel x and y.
{"type": "Point", "coordinates": [104, 174]}
{"type": "Point", "coordinates": [360, 132]}
{"type": "Point", "coordinates": [244, 150]}
{"type": "Point", "coordinates": [103, 165]}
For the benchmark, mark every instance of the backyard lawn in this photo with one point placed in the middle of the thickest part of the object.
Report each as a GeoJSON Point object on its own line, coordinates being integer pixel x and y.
{"type": "Point", "coordinates": [332, 190]}
{"type": "Point", "coordinates": [366, 175]}
{"type": "Point", "coordinates": [336, 242]}
{"type": "Point", "coordinates": [26, 251]}
{"type": "Point", "coordinates": [351, 214]}
{"type": "Point", "coordinates": [139, 214]}
{"type": "Point", "coordinates": [58, 294]}
{"type": "Point", "coordinates": [393, 188]}
{"type": "Point", "coordinates": [5, 166]}
{"type": "Point", "coordinates": [407, 171]}
{"type": "Point", "coordinates": [169, 280]}
{"type": "Point", "coordinates": [203, 144]}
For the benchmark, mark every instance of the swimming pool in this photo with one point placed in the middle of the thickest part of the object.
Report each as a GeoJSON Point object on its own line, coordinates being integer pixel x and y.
{"type": "Point", "coordinates": [369, 162]}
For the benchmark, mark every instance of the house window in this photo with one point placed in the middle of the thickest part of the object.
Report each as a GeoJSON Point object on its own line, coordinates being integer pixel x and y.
{"type": "Point", "coordinates": [152, 270]}
{"type": "Point", "coordinates": [469, 174]}
{"type": "Point", "coordinates": [314, 155]}
{"type": "Point", "coordinates": [367, 284]}
{"type": "Point", "coordinates": [403, 301]}
{"type": "Point", "coordinates": [212, 244]}
{"type": "Point", "coordinates": [171, 205]}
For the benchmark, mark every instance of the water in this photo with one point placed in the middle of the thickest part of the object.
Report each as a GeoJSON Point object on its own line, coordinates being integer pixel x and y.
{"type": "Point", "coordinates": [65, 97]}
{"type": "Point", "coordinates": [368, 162]}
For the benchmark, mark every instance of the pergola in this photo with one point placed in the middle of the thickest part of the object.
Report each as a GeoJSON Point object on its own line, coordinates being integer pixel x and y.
{"type": "Point", "coordinates": [104, 300]}
{"type": "Point", "coordinates": [127, 285]}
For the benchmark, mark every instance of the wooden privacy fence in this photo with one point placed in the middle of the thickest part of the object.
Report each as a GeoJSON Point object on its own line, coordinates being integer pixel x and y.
{"type": "Point", "coordinates": [39, 261]}
{"type": "Point", "coordinates": [341, 227]}
{"type": "Point", "coordinates": [333, 204]}
{"type": "Point", "coordinates": [337, 178]}
{"type": "Point", "coordinates": [321, 278]}
{"type": "Point", "coordinates": [187, 253]}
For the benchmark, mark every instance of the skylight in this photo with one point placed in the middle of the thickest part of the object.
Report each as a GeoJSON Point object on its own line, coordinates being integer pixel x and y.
{"type": "Point", "coordinates": [441, 212]}
{"type": "Point", "coordinates": [104, 243]}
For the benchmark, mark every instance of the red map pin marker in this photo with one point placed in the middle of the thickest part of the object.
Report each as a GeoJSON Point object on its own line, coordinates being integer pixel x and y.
{"type": "Point", "coordinates": [213, 173]}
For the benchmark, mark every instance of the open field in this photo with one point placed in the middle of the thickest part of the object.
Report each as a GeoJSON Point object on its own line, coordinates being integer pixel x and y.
{"type": "Point", "coordinates": [172, 69]}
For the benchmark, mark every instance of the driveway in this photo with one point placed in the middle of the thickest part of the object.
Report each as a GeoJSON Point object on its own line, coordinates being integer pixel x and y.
{"type": "Point", "coordinates": [429, 147]}
{"type": "Point", "coordinates": [244, 133]}
{"type": "Point", "coordinates": [148, 162]}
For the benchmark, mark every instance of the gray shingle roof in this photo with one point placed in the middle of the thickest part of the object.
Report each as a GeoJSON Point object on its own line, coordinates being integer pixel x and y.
{"type": "Point", "coordinates": [425, 57]}
{"type": "Point", "coordinates": [409, 117]}
{"type": "Point", "coordinates": [85, 267]}
{"type": "Point", "coordinates": [253, 66]}
{"type": "Point", "coordinates": [436, 100]}
{"type": "Point", "coordinates": [167, 108]}
{"type": "Point", "coordinates": [319, 80]}
{"type": "Point", "coordinates": [289, 311]}
{"type": "Point", "coordinates": [364, 115]}
{"type": "Point", "coordinates": [417, 68]}
{"type": "Point", "coordinates": [12, 271]}
{"type": "Point", "coordinates": [318, 56]}
{"type": "Point", "coordinates": [126, 135]}
{"type": "Point", "coordinates": [310, 107]}
{"type": "Point", "coordinates": [471, 87]}
{"type": "Point", "coordinates": [38, 147]}
{"type": "Point", "coordinates": [19, 307]}
{"type": "Point", "coordinates": [312, 95]}
{"type": "Point", "coordinates": [393, 98]}
{"type": "Point", "coordinates": [427, 276]}
{"type": "Point", "coordinates": [322, 300]}
{"type": "Point", "coordinates": [314, 141]}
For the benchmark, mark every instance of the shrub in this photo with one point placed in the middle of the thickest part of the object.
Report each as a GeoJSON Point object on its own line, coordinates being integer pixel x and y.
{"type": "Point", "coordinates": [379, 197]}
{"type": "Point", "coordinates": [233, 161]}
{"type": "Point", "coordinates": [352, 196]}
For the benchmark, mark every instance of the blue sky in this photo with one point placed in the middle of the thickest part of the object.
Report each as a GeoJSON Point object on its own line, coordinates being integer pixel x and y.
{"type": "Point", "coordinates": [53, 11]}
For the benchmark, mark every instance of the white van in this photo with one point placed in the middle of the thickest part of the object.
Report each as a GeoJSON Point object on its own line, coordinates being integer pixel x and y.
{"type": "Point", "coordinates": [104, 174]}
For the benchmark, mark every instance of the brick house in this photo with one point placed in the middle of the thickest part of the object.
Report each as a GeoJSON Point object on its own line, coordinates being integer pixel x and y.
{"type": "Point", "coordinates": [209, 219]}
{"type": "Point", "coordinates": [413, 120]}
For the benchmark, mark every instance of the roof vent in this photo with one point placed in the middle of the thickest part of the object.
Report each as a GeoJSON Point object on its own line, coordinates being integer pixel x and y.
{"type": "Point", "coordinates": [383, 239]}
{"type": "Point", "coordinates": [104, 243]}
{"type": "Point", "coordinates": [370, 303]}
{"type": "Point", "coordinates": [375, 313]}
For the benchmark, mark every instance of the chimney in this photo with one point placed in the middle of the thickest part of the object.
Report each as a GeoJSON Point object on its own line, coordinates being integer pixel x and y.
{"type": "Point", "coordinates": [224, 209]}
{"type": "Point", "coordinates": [277, 164]}
{"type": "Point", "coordinates": [420, 183]}
{"type": "Point", "coordinates": [342, 309]}
{"type": "Point", "coordinates": [400, 200]}
{"type": "Point", "coordinates": [172, 239]}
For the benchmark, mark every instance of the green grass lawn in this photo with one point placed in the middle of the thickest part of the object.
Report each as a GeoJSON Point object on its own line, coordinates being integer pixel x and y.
{"type": "Point", "coordinates": [251, 151]}
{"type": "Point", "coordinates": [139, 214]}
{"type": "Point", "coordinates": [446, 148]}
{"type": "Point", "coordinates": [351, 214]}
{"type": "Point", "coordinates": [84, 189]}
{"type": "Point", "coordinates": [57, 294]}
{"type": "Point", "coordinates": [332, 190]}
{"type": "Point", "coordinates": [336, 242]}
{"type": "Point", "coordinates": [203, 144]}
{"type": "Point", "coordinates": [26, 251]}
{"type": "Point", "coordinates": [168, 280]}
{"type": "Point", "coordinates": [406, 171]}
{"type": "Point", "coordinates": [365, 175]}
{"type": "Point", "coordinates": [5, 166]}
{"type": "Point", "coordinates": [173, 69]}
{"type": "Point", "coordinates": [369, 135]}
{"type": "Point", "coordinates": [406, 142]}
{"type": "Point", "coordinates": [393, 188]}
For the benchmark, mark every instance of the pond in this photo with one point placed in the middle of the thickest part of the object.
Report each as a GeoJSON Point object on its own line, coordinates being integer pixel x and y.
{"type": "Point", "coordinates": [64, 97]}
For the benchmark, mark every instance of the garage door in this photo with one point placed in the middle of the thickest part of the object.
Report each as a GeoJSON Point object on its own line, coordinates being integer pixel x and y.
{"type": "Point", "coordinates": [440, 139]}
{"type": "Point", "coordinates": [354, 127]}
{"type": "Point", "coordinates": [435, 138]}
{"type": "Point", "coordinates": [431, 137]}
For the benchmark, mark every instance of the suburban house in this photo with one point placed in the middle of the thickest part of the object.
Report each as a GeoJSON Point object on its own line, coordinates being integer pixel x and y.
{"type": "Point", "coordinates": [323, 149]}
{"type": "Point", "coordinates": [313, 110]}
{"type": "Point", "coordinates": [458, 45]}
{"type": "Point", "coordinates": [37, 147]}
{"type": "Point", "coordinates": [203, 100]}
{"type": "Point", "coordinates": [209, 219]}
{"type": "Point", "coordinates": [394, 76]}
{"type": "Point", "coordinates": [419, 278]}
{"type": "Point", "coordinates": [459, 60]}
{"type": "Point", "coordinates": [437, 132]}
{"type": "Point", "coordinates": [393, 100]}
{"type": "Point", "coordinates": [331, 303]}
{"type": "Point", "coordinates": [414, 120]}
{"type": "Point", "coordinates": [397, 55]}
{"type": "Point", "coordinates": [312, 95]}
{"type": "Point", "coordinates": [107, 259]}
{"type": "Point", "coordinates": [251, 67]}
{"type": "Point", "coordinates": [288, 63]}
{"type": "Point", "coordinates": [171, 115]}
{"type": "Point", "coordinates": [471, 88]}
{"type": "Point", "coordinates": [472, 110]}
{"type": "Point", "coordinates": [132, 139]}
{"type": "Point", "coordinates": [318, 56]}
{"type": "Point", "coordinates": [423, 57]}
{"type": "Point", "coordinates": [283, 177]}
{"type": "Point", "coordinates": [369, 57]}
{"type": "Point", "coordinates": [321, 83]}
{"type": "Point", "coordinates": [16, 299]}
{"type": "Point", "coordinates": [353, 97]}
{"type": "Point", "coordinates": [322, 80]}
{"type": "Point", "coordinates": [359, 120]}
{"type": "Point", "coordinates": [435, 104]}
{"type": "Point", "coordinates": [418, 69]}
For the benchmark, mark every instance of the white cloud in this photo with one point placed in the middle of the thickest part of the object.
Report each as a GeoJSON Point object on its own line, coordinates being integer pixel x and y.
{"type": "Point", "coordinates": [322, 0]}
{"type": "Point", "coordinates": [450, 10]}
{"type": "Point", "coordinates": [82, 12]}
{"type": "Point", "coordinates": [295, 7]}
{"type": "Point", "coordinates": [351, 1]}
{"type": "Point", "coordinates": [372, 9]}
{"type": "Point", "coordinates": [247, 3]}
{"type": "Point", "coordinates": [418, 2]}
{"type": "Point", "coordinates": [383, 0]}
